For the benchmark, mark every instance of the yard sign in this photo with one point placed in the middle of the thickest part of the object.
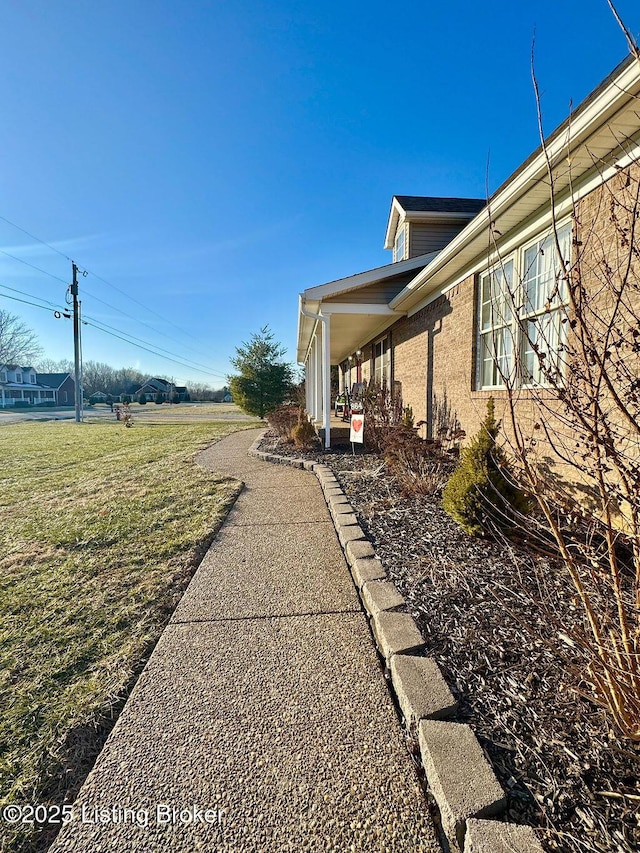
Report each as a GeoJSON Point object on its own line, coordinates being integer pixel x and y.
{"type": "Point", "coordinates": [357, 428]}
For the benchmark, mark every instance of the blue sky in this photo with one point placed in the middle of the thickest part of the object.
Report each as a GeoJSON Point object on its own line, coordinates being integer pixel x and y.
{"type": "Point", "coordinates": [213, 159]}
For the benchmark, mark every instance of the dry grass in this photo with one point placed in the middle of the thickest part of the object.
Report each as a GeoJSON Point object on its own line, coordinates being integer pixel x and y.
{"type": "Point", "coordinates": [102, 529]}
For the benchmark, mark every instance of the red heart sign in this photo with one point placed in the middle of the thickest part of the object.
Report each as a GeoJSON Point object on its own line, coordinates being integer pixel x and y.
{"type": "Point", "coordinates": [357, 425]}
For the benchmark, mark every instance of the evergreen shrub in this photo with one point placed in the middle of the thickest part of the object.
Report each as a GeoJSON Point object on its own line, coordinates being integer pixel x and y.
{"type": "Point", "coordinates": [481, 492]}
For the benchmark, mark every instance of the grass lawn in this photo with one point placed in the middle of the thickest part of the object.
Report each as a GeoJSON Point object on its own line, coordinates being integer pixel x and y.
{"type": "Point", "coordinates": [102, 529]}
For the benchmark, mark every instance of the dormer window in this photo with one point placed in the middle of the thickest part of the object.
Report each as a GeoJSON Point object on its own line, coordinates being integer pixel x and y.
{"type": "Point", "coordinates": [18, 377]}
{"type": "Point", "coordinates": [399, 249]}
{"type": "Point", "coordinates": [3, 375]}
{"type": "Point", "coordinates": [32, 378]}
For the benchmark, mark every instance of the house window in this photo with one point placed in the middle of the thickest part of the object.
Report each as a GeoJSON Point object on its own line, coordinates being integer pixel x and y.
{"type": "Point", "coordinates": [496, 321]}
{"type": "Point", "coordinates": [32, 378]}
{"type": "Point", "coordinates": [544, 295]}
{"type": "Point", "coordinates": [521, 341]}
{"type": "Point", "coordinates": [400, 244]}
{"type": "Point", "coordinates": [18, 377]}
{"type": "Point", "coordinates": [382, 362]}
{"type": "Point", "coordinates": [3, 376]}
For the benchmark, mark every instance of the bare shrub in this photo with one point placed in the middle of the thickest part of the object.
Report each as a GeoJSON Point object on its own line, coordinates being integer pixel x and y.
{"type": "Point", "coordinates": [282, 420]}
{"type": "Point", "coordinates": [419, 466]}
{"type": "Point", "coordinates": [575, 431]}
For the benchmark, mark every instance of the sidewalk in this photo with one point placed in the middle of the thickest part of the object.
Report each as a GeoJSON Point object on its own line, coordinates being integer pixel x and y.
{"type": "Point", "coordinates": [263, 701]}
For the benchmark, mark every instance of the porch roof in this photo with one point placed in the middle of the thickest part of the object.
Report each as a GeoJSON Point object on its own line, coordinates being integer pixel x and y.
{"type": "Point", "coordinates": [358, 306]}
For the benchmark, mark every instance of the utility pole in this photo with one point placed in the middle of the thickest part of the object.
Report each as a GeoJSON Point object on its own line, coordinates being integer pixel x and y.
{"type": "Point", "coordinates": [76, 344]}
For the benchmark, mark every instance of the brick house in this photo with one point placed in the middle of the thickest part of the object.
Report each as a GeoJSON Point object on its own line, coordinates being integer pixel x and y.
{"type": "Point", "coordinates": [430, 323]}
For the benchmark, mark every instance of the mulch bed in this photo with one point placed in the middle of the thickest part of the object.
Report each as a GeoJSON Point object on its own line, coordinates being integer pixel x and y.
{"type": "Point", "coordinates": [490, 613]}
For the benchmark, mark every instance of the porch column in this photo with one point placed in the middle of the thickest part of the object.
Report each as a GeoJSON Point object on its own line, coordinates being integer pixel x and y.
{"type": "Point", "coordinates": [312, 379]}
{"type": "Point", "coordinates": [326, 380]}
{"type": "Point", "coordinates": [317, 383]}
{"type": "Point", "coordinates": [307, 384]}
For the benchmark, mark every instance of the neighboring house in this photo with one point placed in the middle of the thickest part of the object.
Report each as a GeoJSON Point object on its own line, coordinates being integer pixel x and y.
{"type": "Point", "coordinates": [156, 386]}
{"type": "Point", "coordinates": [22, 386]}
{"type": "Point", "coordinates": [430, 324]}
{"type": "Point", "coordinates": [63, 386]}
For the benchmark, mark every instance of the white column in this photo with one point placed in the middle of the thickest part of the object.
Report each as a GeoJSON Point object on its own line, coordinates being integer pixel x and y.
{"type": "Point", "coordinates": [326, 380]}
{"type": "Point", "coordinates": [317, 384]}
{"type": "Point", "coordinates": [307, 384]}
{"type": "Point", "coordinates": [312, 378]}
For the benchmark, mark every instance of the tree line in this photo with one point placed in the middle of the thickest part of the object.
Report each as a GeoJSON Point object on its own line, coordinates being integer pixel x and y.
{"type": "Point", "coordinates": [20, 345]}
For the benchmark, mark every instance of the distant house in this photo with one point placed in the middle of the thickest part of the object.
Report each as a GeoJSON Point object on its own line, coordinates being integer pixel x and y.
{"type": "Point", "coordinates": [227, 398]}
{"type": "Point", "coordinates": [155, 386]}
{"type": "Point", "coordinates": [23, 386]}
{"type": "Point", "coordinates": [63, 386]}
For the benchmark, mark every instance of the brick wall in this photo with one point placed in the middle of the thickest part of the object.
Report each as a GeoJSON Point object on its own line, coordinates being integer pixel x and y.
{"type": "Point", "coordinates": [433, 352]}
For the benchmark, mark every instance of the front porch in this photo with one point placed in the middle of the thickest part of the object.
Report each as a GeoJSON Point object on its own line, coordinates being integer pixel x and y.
{"type": "Point", "coordinates": [338, 432]}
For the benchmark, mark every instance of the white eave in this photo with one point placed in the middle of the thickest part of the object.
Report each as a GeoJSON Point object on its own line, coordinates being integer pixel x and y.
{"type": "Point", "coordinates": [585, 148]}
{"type": "Point", "coordinates": [351, 320]}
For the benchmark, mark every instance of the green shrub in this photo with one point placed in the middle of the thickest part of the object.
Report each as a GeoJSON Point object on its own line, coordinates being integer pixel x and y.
{"type": "Point", "coordinates": [159, 398]}
{"type": "Point", "coordinates": [142, 399]}
{"type": "Point", "coordinates": [481, 492]}
{"type": "Point", "coordinates": [125, 398]}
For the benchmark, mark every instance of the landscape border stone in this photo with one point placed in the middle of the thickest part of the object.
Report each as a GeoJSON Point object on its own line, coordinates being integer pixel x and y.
{"type": "Point", "coordinates": [421, 690]}
{"type": "Point", "coordinates": [460, 777]}
{"type": "Point", "coordinates": [380, 595]}
{"type": "Point", "coordinates": [367, 569]}
{"type": "Point", "coordinates": [491, 836]}
{"type": "Point", "coordinates": [396, 633]}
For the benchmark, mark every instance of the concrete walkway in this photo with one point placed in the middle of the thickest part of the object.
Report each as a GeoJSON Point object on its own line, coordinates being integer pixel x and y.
{"type": "Point", "coordinates": [263, 701]}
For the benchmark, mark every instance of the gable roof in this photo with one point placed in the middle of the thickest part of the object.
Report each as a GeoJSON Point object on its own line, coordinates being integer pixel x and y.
{"type": "Point", "coordinates": [372, 287]}
{"type": "Point", "coordinates": [53, 380]}
{"type": "Point", "coordinates": [422, 208]}
{"type": "Point", "coordinates": [440, 205]}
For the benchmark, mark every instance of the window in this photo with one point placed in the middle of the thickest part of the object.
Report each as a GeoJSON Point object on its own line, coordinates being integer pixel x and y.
{"type": "Point", "coordinates": [18, 377]}
{"type": "Point", "coordinates": [3, 376]}
{"type": "Point", "coordinates": [544, 294]}
{"type": "Point", "coordinates": [496, 321]}
{"type": "Point", "coordinates": [382, 362]}
{"type": "Point", "coordinates": [32, 378]}
{"type": "Point", "coordinates": [520, 314]}
{"type": "Point", "coordinates": [400, 244]}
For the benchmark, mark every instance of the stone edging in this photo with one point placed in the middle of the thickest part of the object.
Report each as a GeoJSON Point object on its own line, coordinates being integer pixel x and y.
{"type": "Point", "coordinates": [460, 778]}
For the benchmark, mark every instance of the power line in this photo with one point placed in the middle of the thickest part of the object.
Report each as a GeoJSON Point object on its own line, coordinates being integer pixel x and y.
{"type": "Point", "coordinates": [104, 280]}
{"type": "Point", "coordinates": [37, 239]}
{"type": "Point", "coordinates": [113, 332]}
{"type": "Point", "coordinates": [33, 266]}
{"type": "Point", "coordinates": [153, 352]}
{"type": "Point", "coordinates": [53, 305]}
{"type": "Point", "coordinates": [187, 361]}
{"type": "Point", "coordinates": [98, 299]}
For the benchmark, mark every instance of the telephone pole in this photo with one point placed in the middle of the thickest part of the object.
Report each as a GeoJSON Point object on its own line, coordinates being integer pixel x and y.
{"type": "Point", "coordinates": [76, 344]}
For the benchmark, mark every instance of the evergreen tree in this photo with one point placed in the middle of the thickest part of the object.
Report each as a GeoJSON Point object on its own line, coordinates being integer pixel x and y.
{"type": "Point", "coordinates": [481, 490]}
{"type": "Point", "coordinates": [264, 380]}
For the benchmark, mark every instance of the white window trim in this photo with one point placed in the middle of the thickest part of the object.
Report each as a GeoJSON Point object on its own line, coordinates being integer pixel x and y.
{"type": "Point", "coordinates": [386, 360]}
{"type": "Point", "coordinates": [401, 232]}
{"type": "Point", "coordinates": [517, 320]}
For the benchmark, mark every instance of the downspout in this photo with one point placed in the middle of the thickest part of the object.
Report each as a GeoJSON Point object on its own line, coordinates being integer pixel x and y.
{"type": "Point", "coordinates": [326, 371]}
